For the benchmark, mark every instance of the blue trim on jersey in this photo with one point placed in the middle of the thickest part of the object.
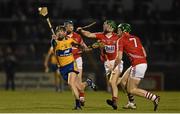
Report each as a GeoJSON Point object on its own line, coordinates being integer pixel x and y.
{"type": "Point", "coordinates": [65, 52]}
{"type": "Point", "coordinates": [67, 69]}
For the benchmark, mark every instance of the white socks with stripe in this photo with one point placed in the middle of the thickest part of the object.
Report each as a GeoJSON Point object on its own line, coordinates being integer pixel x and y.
{"type": "Point", "coordinates": [150, 96]}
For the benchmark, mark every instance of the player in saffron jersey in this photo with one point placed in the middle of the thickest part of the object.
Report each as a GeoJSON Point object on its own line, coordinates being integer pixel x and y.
{"type": "Point", "coordinates": [51, 65]}
{"type": "Point", "coordinates": [134, 49]}
{"type": "Point", "coordinates": [109, 53]}
{"type": "Point", "coordinates": [62, 46]}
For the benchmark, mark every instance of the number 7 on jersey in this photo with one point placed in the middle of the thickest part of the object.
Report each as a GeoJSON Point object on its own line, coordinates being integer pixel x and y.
{"type": "Point", "coordinates": [134, 40]}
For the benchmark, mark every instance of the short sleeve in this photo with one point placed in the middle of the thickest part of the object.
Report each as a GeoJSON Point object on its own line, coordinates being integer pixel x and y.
{"type": "Point", "coordinates": [99, 35]}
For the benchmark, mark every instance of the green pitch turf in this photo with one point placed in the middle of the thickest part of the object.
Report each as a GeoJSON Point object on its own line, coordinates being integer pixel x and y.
{"type": "Point", "coordinates": [49, 101]}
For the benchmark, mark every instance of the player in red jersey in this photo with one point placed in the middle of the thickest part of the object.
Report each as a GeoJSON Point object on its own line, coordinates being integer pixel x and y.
{"type": "Point", "coordinates": [134, 49]}
{"type": "Point", "coordinates": [109, 53]}
{"type": "Point", "coordinates": [76, 51]}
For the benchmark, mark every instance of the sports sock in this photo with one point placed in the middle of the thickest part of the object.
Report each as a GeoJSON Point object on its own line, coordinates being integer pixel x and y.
{"type": "Point", "coordinates": [130, 97]}
{"type": "Point", "coordinates": [150, 96]}
{"type": "Point", "coordinates": [81, 96]}
{"type": "Point", "coordinates": [114, 99]}
{"type": "Point", "coordinates": [78, 103]}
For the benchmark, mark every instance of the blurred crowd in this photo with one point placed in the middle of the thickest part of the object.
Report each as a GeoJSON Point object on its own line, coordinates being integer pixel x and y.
{"type": "Point", "coordinates": [28, 35]}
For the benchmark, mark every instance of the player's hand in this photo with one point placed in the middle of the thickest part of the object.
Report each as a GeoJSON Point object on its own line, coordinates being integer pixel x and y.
{"type": "Point", "coordinates": [109, 66]}
{"type": "Point", "coordinates": [95, 45]}
{"type": "Point", "coordinates": [79, 29]}
{"type": "Point", "coordinates": [54, 37]}
{"type": "Point", "coordinates": [101, 45]}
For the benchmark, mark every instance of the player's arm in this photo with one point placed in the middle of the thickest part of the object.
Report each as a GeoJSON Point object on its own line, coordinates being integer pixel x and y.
{"type": "Point", "coordinates": [86, 33]}
{"type": "Point", "coordinates": [82, 46]}
{"type": "Point", "coordinates": [53, 41]}
{"type": "Point", "coordinates": [47, 59]}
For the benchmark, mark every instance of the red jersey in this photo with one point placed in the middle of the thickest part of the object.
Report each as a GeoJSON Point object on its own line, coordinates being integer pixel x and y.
{"type": "Point", "coordinates": [75, 50]}
{"type": "Point", "coordinates": [132, 46]}
{"type": "Point", "coordinates": [110, 49]}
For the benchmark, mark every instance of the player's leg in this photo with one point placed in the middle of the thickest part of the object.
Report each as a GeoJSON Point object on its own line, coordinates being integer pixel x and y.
{"type": "Point", "coordinates": [80, 67]}
{"type": "Point", "coordinates": [123, 82]}
{"type": "Point", "coordinates": [113, 83]}
{"type": "Point", "coordinates": [81, 86]}
{"type": "Point", "coordinates": [79, 64]}
{"type": "Point", "coordinates": [137, 73]}
{"type": "Point", "coordinates": [124, 79]}
{"type": "Point", "coordinates": [56, 81]}
{"type": "Point", "coordinates": [61, 81]}
{"type": "Point", "coordinates": [54, 69]}
{"type": "Point", "coordinates": [107, 74]}
{"type": "Point", "coordinates": [72, 83]}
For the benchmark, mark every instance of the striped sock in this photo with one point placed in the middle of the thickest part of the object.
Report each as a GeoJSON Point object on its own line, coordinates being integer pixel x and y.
{"type": "Point", "coordinates": [130, 97]}
{"type": "Point", "coordinates": [150, 96]}
{"type": "Point", "coordinates": [81, 96]}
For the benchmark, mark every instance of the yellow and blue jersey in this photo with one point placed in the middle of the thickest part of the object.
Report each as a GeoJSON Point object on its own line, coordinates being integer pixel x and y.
{"type": "Point", "coordinates": [63, 52]}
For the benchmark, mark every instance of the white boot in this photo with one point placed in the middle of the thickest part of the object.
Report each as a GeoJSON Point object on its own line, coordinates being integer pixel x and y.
{"type": "Point", "coordinates": [130, 105]}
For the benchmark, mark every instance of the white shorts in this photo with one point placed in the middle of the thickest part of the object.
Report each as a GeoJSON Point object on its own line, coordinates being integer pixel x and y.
{"type": "Point", "coordinates": [79, 63]}
{"type": "Point", "coordinates": [120, 66]}
{"type": "Point", "coordinates": [138, 71]}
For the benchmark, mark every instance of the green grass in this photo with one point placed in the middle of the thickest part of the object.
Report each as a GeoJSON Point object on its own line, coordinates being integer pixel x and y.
{"type": "Point", "coordinates": [49, 101]}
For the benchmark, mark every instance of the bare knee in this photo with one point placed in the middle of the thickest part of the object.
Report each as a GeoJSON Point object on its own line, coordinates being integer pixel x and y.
{"type": "Point", "coordinates": [70, 83]}
{"type": "Point", "coordinates": [131, 90]}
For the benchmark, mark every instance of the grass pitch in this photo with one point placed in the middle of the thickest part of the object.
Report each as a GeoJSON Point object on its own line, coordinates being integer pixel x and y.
{"type": "Point", "coordinates": [41, 101]}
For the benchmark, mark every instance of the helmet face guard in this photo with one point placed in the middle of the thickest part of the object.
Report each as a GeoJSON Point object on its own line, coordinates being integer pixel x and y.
{"type": "Point", "coordinates": [68, 22]}
{"type": "Point", "coordinates": [125, 27]}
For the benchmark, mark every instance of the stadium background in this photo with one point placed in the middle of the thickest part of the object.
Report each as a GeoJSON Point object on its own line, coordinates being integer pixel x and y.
{"type": "Point", "coordinates": [156, 22]}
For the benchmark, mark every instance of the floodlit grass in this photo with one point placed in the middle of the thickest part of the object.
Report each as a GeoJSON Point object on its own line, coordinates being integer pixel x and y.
{"type": "Point", "coordinates": [52, 102]}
